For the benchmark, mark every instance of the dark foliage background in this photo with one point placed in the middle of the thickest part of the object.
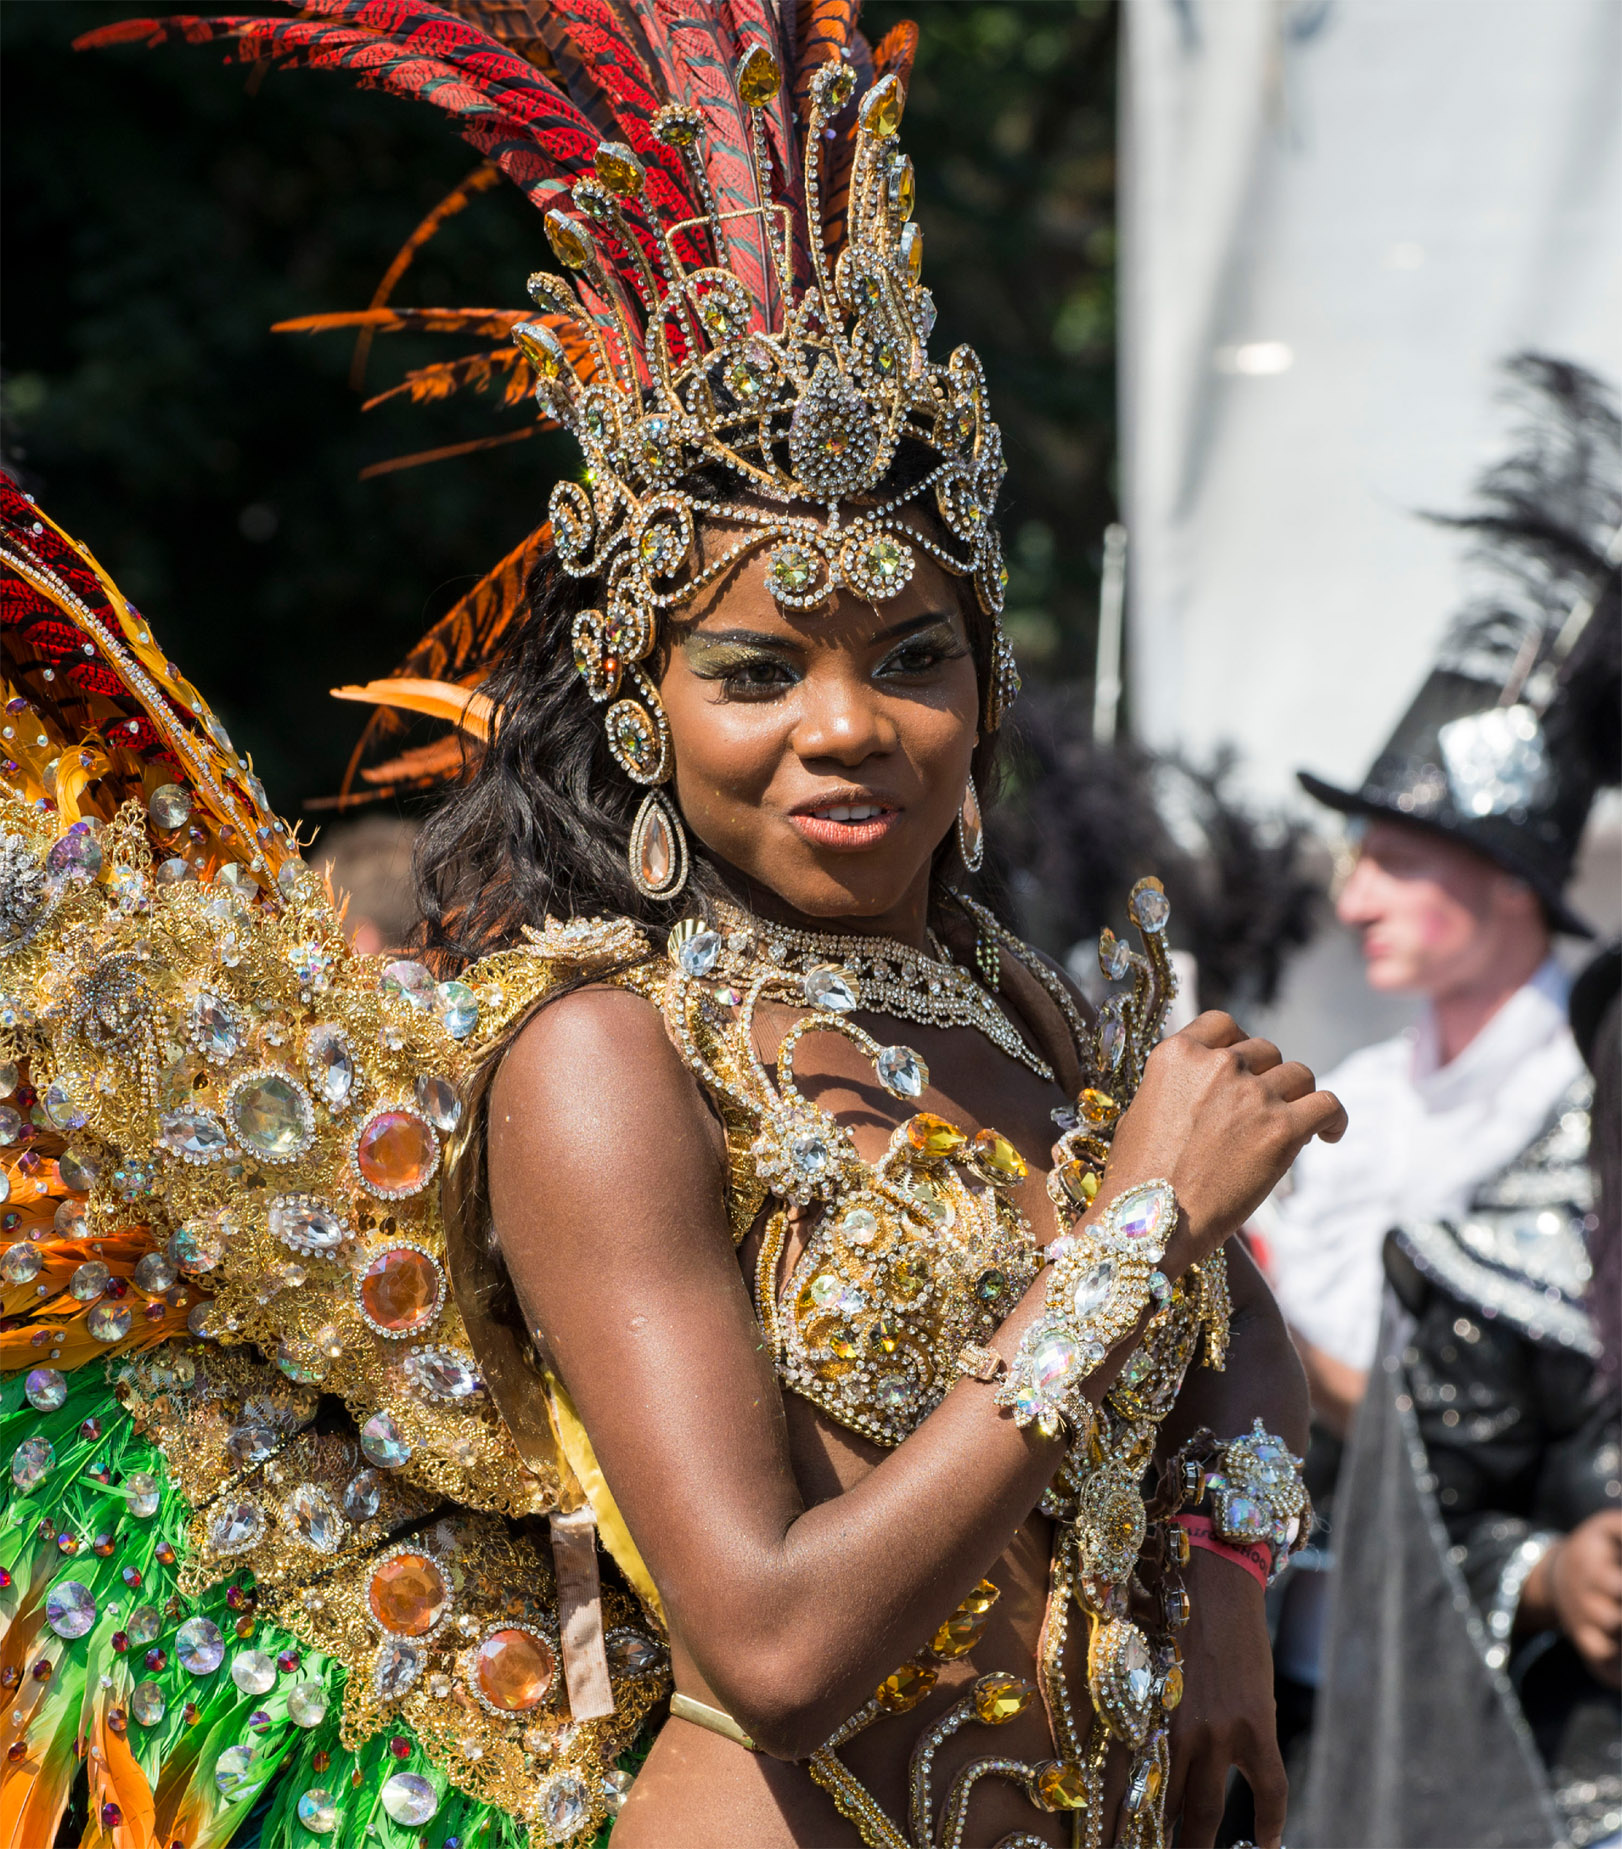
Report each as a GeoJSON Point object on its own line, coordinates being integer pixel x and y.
{"type": "Point", "coordinates": [162, 210]}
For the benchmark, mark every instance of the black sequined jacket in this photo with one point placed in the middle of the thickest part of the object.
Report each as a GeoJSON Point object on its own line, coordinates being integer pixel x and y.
{"type": "Point", "coordinates": [1484, 1436]}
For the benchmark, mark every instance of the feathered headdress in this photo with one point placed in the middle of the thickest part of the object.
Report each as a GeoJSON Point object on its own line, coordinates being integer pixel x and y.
{"type": "Point", "coordinates": [740, 333]}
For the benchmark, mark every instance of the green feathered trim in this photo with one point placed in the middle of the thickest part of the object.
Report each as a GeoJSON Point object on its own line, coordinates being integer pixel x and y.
{"type": "Point", "coordinates": [163, 1775]}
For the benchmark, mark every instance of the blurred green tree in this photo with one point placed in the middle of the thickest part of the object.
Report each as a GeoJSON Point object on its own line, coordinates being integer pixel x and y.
{"type": "Point", "coordinates": [163, 209]}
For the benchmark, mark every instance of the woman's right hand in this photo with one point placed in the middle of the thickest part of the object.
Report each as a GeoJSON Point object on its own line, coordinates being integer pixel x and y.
{"type": "Point", "coordinates": [1221, 1117]}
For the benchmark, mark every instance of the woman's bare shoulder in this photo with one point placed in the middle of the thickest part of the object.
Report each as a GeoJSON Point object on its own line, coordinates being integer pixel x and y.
{"type": "Point", "coordinates": [593, 1077]}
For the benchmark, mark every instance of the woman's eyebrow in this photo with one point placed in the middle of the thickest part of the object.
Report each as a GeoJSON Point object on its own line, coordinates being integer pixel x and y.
{"type": "Point", "coordinates": [911, 625]}
{"type": "Point", "coordinates": [738, 638]}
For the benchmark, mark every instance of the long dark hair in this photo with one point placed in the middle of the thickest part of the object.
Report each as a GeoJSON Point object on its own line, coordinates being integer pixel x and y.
{"type": "Point", "coordinates": [541, 825]}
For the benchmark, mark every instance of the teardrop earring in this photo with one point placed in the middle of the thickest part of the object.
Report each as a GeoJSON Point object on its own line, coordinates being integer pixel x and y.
{"type": "Point", "coordinates": [971, 834]}
{"type": "Point", "coordinates": [657, 851]}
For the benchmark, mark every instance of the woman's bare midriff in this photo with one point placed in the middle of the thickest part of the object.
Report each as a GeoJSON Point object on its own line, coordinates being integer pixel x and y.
{"type": "Point", "coordinates": [698, 1790]}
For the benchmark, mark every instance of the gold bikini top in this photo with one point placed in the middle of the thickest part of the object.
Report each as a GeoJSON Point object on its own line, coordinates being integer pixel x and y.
{"type": "Point", "coordinates": [906, 1259]}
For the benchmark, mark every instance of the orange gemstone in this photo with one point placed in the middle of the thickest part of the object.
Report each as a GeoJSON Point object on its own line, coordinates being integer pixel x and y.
{"type": "Point", "coordinates": [514, 1670]}
{"type": "Point", "coordinates": [906, 1687]}
{"type": "Point", "coordinates": [401, 1290]}
{"type": "Point", "coordinates": [934, 1136]}
{"type": "Point", "coordinates": [960, 1633]}
{"type": "Point", "coordinates": [408, 1595]}
{"type": "Point", "coordinates": [999, 1160]}
{"type": "Point", "coordinates": [396, 1154]}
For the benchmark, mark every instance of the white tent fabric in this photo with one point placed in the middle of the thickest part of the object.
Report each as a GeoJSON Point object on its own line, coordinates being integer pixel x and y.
{"type": "Point", "coordinates": [1338, 217]}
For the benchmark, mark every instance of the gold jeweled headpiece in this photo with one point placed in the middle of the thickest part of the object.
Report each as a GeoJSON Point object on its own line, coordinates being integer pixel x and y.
{"type": "Point", "coordinates": [662, 360]}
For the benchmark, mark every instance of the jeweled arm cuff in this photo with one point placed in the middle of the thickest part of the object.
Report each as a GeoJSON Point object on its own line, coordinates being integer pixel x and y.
{"type": "Point", "coordinates": [1254, 1492]}
{"type": "Point", "coordinates": [1097, 1290]}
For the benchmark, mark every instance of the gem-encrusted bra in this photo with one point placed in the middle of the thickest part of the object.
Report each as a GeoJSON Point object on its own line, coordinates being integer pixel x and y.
{"type": "Point", "coordinates": [909, 1259]}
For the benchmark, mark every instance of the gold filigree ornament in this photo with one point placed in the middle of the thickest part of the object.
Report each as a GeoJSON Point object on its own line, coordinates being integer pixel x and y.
{"type": "Point", "coordinates": [667, 365]}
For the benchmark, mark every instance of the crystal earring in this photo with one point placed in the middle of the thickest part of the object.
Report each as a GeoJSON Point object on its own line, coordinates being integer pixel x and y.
{"type": "Point", "coordinates": [658, 849]}
{"type": "Point", "coordinates": [971, 834]}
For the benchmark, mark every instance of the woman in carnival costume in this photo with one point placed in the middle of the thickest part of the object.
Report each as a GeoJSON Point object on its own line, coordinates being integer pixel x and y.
{"type": "Point", "coordinates": [414, 1386]}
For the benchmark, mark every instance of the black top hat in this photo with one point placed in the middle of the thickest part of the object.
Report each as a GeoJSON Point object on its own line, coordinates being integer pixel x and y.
{"type": "Point", "coordinates": [1515, 728]}
{"type": "Point", "coordinates": [1463, 765]}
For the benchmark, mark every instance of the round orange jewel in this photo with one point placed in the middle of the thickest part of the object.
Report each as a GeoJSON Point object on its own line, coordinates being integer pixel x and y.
{"type": "Point", "coordinates": [396, 1154]}
{"type": "Point", "coordinates": [408, 1595]}
{"type": "Point", "coordinates": [401, 1291]}
{"type": "Point", "coordinates": [514, 1670]}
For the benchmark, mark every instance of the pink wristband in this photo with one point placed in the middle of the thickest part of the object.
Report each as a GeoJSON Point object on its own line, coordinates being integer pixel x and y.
{"type": "Point", "coordinates": [1256, 1561]}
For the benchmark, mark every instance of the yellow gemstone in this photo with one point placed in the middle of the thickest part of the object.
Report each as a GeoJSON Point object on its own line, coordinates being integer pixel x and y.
{"type": "Point", "coordinates": [983, 1597]}
{"type": "Point", "coordinates": [959, 1634]}
{"type": "Point", "coordinates": [1078, 1181]}
{"type": "Point", "coordinates": [905, 1688]}
{"type": "Point", "coordinates": [933, 1136]}
{"type": "Point", "coordinates": [880, 112]}
{"type": "Point", "coordinates": [1061, 1786]}
{"type": "Point", "coordinates": [541, 347]}
{"type": "Point", "coordinates": [1000, 1697]}
{"type": "Point", "coordinates": [1098, 1107]}
{"type": "Point", "coordinates": [569, 243]}
{"type": "Point", "coordinates": [618, 169]}
{"type": "Point", "coordinates": [910, 1276]}
{"type": "Point", "coordinates": [759, 78]}
{"type": "Point", "coordinates": [912, 249]}
{"type": "Point", "coordinates": [843, 1344]}
{"type": "Point", "coordinates": [1171, 1690]}
{"type": "Point", "coordinates": [885, 1335]}
{"type": "Point", "coordinates": [903, 188]}
{"type": "Point", "coordinates": [999, 1159]}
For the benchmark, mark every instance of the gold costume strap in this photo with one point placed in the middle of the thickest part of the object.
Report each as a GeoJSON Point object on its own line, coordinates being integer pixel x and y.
{"type": "Point", "coordinates": [714, 1720]}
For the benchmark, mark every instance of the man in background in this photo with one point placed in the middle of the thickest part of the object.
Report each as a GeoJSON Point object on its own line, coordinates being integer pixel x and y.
{"type": "Point", "coordinates": [1464, 1175]}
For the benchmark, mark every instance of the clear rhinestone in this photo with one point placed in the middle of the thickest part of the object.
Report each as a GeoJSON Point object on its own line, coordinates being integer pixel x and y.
{"type": "Point", "coordinates": [437, 1099]}
{"type": "Point", "coordinates": [110, 1322]}
{"type": "Point", "coordinates": [31, 1463]}
{"type": "Point", "coordinates": [233, 1771]}
{"type": "Point", "coordinates": [699, 953]}
{"type": "Point", "coordinates": [1150, 909]}
{"type": "Point", "coordinates": [215, 1029]}
{"type": "Point", "coordinates": [315, 1518]}
{"type": "Point", "coordinates": [170, 807]}
{"type": "Point", "coordinates": [409, 978]}
{"type": "Point", "coordinates": [564, 1808]}
{"type": "Point", "coordinates": [316, 1810]}
{"type": "Point", "coordinates": [1094, 1290]}
{"type": "Point", "coordinates": [831, 989]}
{"type": "Point", "coordinates": [330, 1066]}
{"type": "Point", "coordinates": [143, 1625]}
{"type": "Point", "coordinates": [147, 1701]}
{"type": "Point", "coordinates": [363, 1496]}
{"type": "Point", "coordinates": [70, 1608]}
{"type": "Point", "coordinates": [901, 1072]}
{"type": "Point", "coordinates": [239, 1525]}
{"type": "Point", "coordinates": [89, 1280]}
{"type": "Point", "coordinates": [45, 1388]}
{"type": "Point", "coordinates": [398, 1666]}
{"type": "Point", "coordinates": [20, 1263]}
{"type": "Point", "coordinates": [200, 1646]}
{"type": "Point", "coordinates": [154, 1274]}
{"type": "Point", "coordinates": [307, 1704]}
{"type": "Point", "coordinates": [410, 1799]}
{"type": "Point", "coordinates": [253, 1671]}
{"type": "Point", "coordinates": [383, 1443]}
{"type": "Point", "coordinates": [304, 1224]}
{"type": "Point", "coordinates": [458, 1008]}
{"type": "Point", "coordinates": [141, 1490]}
{"type": "Point", "coordinates": [197, 1134]}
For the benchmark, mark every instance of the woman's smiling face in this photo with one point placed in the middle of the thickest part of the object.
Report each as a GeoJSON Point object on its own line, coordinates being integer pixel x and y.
{"type": "Point", "coordinates": [822, 755]}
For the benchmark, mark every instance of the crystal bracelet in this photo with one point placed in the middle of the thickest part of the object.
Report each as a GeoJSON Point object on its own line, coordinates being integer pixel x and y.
{"type": "Point", "coordinates": [1102, 1280]}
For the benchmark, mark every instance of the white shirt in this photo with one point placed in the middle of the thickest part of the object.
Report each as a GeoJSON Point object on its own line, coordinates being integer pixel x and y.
{"type": "Point", "coordinates": [1422, 1137]}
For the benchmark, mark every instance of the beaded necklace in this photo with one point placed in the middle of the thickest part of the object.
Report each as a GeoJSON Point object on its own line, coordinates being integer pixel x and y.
{"type": "Point", "coordinates": [883, 976]}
